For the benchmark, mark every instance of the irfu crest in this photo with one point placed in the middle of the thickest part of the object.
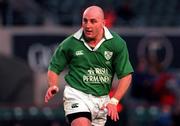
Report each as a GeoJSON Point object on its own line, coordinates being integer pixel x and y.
{"type": "Point", "coordinates": [108, 55]}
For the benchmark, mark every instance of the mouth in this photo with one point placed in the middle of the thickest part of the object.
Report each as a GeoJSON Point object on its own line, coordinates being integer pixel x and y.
{"type": "Point", "coordinates": [88, 32]}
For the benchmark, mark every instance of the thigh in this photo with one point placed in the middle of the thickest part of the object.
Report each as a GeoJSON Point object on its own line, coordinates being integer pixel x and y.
{"type": "Point", "coordinates": [78, 102]}
{"type": "Point", "coordinates": [81, 122]}
{"type": "Point", "coordinates": [73, 101]}
{"type": "Point", "coordinates": [79, 119]}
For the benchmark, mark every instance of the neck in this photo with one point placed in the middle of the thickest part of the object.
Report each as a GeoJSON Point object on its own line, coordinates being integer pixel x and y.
{"type": "Point", "coordinates": [94, 42]}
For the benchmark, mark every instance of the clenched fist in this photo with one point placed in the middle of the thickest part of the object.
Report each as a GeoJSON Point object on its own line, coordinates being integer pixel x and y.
{"type": "Point", "coordinates": [50, 93]}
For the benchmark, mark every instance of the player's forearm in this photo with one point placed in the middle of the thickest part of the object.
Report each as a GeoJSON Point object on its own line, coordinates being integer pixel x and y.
{"type": "Point", "coordinates": [53, 85]}
{"type": "Point", "coordinates": [52, 78]}
{"type": "Point", "coordinates": [123, 86]}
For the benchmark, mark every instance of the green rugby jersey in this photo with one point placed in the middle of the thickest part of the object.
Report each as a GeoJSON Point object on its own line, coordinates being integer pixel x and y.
{"type": "Point", "coordinates": [92, 70]}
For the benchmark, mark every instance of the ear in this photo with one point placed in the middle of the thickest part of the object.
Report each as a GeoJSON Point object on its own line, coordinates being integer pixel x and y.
{"type": "Point", "coordinates": [103, 23]}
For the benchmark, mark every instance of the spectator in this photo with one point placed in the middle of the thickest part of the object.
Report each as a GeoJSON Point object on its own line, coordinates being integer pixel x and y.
{"type": "Point", "coordinates": [110, 18]}
{"type": "Point", "coordinates": [125, 13]}
{"type": "Point", "coordinates": [150, 83]}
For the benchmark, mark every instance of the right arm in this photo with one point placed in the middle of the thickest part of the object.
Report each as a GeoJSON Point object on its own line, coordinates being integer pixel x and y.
{"type": "Point", "coordinates": [58, 62]}
{"type": "Point", "coordinates": [52, 85]}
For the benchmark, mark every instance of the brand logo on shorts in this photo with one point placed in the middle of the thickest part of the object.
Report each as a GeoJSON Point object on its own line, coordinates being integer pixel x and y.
{"type": "Point", "coordinates": [108, 55]}
{"type": "Point", "coordinates": [75, 105]}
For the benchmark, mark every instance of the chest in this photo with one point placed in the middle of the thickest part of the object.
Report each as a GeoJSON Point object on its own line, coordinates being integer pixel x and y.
{"type": "Point", "coordinates": [82, 55]}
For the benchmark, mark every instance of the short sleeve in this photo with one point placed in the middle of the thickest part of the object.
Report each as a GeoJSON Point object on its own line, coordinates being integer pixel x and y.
{"type": "Point", "coordinates": [122, 63]}
{"type": "Point", "coordinates": [59, 60]}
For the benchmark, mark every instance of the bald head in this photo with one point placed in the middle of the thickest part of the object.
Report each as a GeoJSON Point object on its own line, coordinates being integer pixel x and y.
{"type": "Point", "coordinates": [94, 11]}
{"type": "Point", "coordinates": [93, 23]}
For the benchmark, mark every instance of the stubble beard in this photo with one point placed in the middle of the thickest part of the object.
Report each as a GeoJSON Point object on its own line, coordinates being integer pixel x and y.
{"type": "Point", "coordinates": [88, 39]}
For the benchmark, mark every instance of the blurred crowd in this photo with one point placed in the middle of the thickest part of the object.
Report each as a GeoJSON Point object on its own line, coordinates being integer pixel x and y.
{"type": "Point", "coordinates": [68, 12]}
{"type": "Point", "coordinates": [156, 86]}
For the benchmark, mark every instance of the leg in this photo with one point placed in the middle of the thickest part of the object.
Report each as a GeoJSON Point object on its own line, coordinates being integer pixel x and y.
{"type": "Point", "coordinates": [80, 119]}
{"type": "Point", "coordinates": [76, 109]}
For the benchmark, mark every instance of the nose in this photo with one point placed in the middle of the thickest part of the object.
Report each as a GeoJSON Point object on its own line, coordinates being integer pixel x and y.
{"type": "Point", "coordinates": [88, 24]}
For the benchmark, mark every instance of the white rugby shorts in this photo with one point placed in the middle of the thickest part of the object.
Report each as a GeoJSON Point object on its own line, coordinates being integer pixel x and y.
{"type": "Point", "coordinates": [77, 101]}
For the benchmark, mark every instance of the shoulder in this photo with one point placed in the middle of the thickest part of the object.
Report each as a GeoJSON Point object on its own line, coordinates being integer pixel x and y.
{"type": "Point", "coordinates": [70, 39]}
{"type": "Point", "coordinates": [68, 42]}
{"type": "Point", "coordinates": [117, 41]}
{"type": "Point", "coordinates": [117, 37]}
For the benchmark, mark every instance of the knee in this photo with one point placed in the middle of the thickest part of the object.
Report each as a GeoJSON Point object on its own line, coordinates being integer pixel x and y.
{"type": "Point", "coordinates": [81, 121]}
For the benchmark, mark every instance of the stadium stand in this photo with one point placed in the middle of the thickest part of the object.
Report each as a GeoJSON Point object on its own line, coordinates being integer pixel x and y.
{"type": "Point", "coordinates": [136, 13]}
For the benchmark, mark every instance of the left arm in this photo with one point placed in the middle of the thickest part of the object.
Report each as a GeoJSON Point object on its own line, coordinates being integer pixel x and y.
{"type": "Point", "coordinates": [123, 85]}
{"type": "Point", "coordinates": [122, 66]}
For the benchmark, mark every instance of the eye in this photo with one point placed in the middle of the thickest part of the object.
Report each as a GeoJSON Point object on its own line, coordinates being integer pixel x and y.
{"type": "Point", "coordinates": [93, 21]}
{"type": "Point", "coordinates": [85, 20]}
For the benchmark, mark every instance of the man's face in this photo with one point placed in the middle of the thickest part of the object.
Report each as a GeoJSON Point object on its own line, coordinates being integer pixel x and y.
{"type": "Point", "coordinates": [92, 24]}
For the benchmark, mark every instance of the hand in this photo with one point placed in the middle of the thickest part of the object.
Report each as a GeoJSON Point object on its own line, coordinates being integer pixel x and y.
{"type": "Point", "coordinates": [50, 93]}
{"type": "Point", "coordinates": [112, 111]}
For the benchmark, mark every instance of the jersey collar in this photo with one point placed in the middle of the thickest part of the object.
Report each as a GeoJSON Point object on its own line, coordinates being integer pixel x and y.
{"type": "Point", "coordinates": [107, 34]}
